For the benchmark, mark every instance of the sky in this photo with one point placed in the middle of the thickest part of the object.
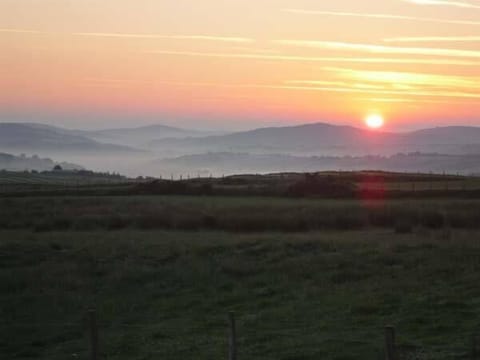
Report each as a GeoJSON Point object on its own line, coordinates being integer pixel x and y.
{"type": "Point", "coordinates": [238, 64]}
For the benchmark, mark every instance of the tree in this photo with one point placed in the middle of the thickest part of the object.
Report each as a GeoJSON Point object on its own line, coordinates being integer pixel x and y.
{"type": "Point", "coordinates": [57, 168]}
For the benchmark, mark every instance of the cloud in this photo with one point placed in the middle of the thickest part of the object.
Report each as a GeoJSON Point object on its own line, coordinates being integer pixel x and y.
{"type": "Point", "coordinates": [374, 60]}
{"type": "Point", "coordinates": [446, 94]}
{"type": "Point", "coordinates": [401, 84]}
{"type": "Point", "coordinates": [173, 37]}
{"type": "Point", "coordinates": [326, 86]}
{"type": "Point", "coordinates": [379, 49]}
{"type": "Point", "coordinates": [228, 39]}
{"type": "Point", "coordinates": [434, 39]}
{"type": "Point", "coordinates": [417, 100]}
{"type": "Point", "coordinates": [443, 3]}
{"type": "Point", "coordinates": [20, 31]}
{"type": "Point", "coordinates": [382, 16]}
{"type": "Point", "coordinates": [408, 79]}
{"type": "Point", "coordinates": [392, 83]}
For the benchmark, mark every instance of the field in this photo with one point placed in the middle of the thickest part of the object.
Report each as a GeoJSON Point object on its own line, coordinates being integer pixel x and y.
{"type": "Point", "coordinates": [346, 185]}
{"type": "Point", "coordinates": [306, 278]}
{"type": "Point", "coordinates": [233, 214]}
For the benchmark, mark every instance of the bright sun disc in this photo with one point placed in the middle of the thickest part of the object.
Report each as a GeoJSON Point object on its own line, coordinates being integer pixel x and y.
{"type": "Point", "coordinates": [374, 121]}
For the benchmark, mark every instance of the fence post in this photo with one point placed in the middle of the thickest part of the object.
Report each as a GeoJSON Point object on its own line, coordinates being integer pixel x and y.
{"type": "Point", "coordinates": [390, 350]}
{"type": "Point", "coordinates": [474, 348]}
{"type": "Point", "coordinates": [92, 319]}
{"type": "Point", "coordinates": [232, 343]}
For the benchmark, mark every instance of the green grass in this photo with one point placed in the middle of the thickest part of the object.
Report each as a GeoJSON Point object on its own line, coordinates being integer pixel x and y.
{"type": "Point", "coordinates": [233, 214]}
{"type": "Point", "coordinates": [323, 184]}
{"type": "Point", "coordinates": [71, 178]}
{"type": "Point", "coordinates": [166, 294]}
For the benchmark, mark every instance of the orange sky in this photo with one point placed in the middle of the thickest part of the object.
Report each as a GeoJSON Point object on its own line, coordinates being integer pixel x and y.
{"type": "Point", "coordinates": [239, 63]}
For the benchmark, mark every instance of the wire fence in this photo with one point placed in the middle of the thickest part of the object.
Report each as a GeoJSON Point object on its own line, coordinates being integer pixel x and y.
{"type": "Point", "coordinates": [237, 337]}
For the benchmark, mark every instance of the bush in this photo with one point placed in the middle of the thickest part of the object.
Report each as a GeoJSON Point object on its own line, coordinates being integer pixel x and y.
{"type": "Point", "coordinates": [433, 220]}
{"type": "Point", "coordinates": [118, 222]}
{"type": "Point", "coordinates": [210, 221]}
{"type": "Point", "coordinates": [153, 221]}
{"type": "Point", "coordinates": [87, 223]}
{"type": "Point", "coordinates": [403, 226]}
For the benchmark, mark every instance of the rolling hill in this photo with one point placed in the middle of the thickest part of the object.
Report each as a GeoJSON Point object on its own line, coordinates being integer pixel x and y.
{"type": "Point", "coordinates": [32, 138]}
{"type": "Point", "coordinates": [302, 138]}
{"type": "Point", "coordinates": [140, 136]}
{"type": "Point", "coordinates": [326, 139]}
{"type": "Point", "coordinates": [11, 162]}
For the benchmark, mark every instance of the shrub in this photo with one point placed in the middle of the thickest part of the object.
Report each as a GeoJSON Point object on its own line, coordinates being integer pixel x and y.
{"type": "Point", "coordinates": [403, 226]}
{"type": "Point", "coordinates": [210, 221]}
{"type": "Point", "coordinates": [87, 223]}
{"type": "Point", "coordinates": [117, 222]}
{"type": "Point", "coordinates": [153, 221]}
{"type": "Point", "coordinates": [433, 220]}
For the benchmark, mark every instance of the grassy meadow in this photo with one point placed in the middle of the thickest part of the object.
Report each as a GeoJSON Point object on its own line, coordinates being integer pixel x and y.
{"type": "Point", "coordinates": [306, 278]}
{"type": "Point", "coordinates": [233, 214]}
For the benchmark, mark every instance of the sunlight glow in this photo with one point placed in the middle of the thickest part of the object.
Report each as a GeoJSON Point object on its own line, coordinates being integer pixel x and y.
{"type": "Point", "coordinates": [374, 121]}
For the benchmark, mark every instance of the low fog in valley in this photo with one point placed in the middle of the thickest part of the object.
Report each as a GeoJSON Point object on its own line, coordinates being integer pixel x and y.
{"type": "Point", "coordinates": [163, 151]}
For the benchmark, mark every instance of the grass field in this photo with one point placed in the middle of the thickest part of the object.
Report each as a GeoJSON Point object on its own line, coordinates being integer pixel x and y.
{"type": "Point", "coordinates": [235, 214]}
{"type": "Point", "coordinates": [299, 296]}
{"type": "Point", "coordinates": [69, 178]}
{"type": "Point", "coordinates": [163, 273]}
{"type": "Point", "coordinates": [346, 185]}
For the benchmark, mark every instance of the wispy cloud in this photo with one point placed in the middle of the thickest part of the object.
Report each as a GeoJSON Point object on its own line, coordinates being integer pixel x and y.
{"type": "Point", "coordinates": [372, 60]}
{"type": "Point", "coordinates": [446, 94]}
{"type": "Point", "coordinates": [379, 49]}
{"type": "Point", "coordinates": [434, 39]}
{"type": "Point", "coordinates": [227, 39]}
{"type": "Point", "coordinates": [108, 82]}
{"type": "Point", "coordinates": [173, 37]}
{"type": "Point", "coordinates": [406, 79]}
{"type": "Point", "coordinates": [417, 100]}
{"type": "Point", "coordinates": [392, 83]}
{"type": "Point", "coordinates": [335, 83]}
{"type": "Point", "coordinates": [444, 3]}
{"type": "Point", "coordinates": [20, 31]}
{"type": "Point", "coordinates": [382, 16]}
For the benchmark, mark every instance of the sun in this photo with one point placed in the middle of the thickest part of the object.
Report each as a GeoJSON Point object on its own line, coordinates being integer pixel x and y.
{"type": "Point", "coordinates": [374, 121]}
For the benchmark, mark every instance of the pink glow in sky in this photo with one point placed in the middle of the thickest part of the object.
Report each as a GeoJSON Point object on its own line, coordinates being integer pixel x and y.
{"type": "Point", "coordinates": [240, 63]}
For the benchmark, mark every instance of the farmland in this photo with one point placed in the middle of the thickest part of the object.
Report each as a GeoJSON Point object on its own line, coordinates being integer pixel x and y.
{"type": "Point", "coordinates": [307, 277]}
{"type": "Point", "coordinates": [299, 296]}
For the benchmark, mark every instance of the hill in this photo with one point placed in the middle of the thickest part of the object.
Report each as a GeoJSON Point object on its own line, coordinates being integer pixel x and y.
{"type": "Point", "coordinates": [21, 163]}
{"type": "Point", "coordinates": [141, 136]}
{"type": "Point", "coordinates": [461, 135]}
{"type": "Point", "coordinates": [326, 139]}
{"type": "Point", "coordinates": [24, 137]}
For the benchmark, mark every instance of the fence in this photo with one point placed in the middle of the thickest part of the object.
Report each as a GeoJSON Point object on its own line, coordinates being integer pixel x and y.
{"type": "Point", "coordinates": [236, 342]}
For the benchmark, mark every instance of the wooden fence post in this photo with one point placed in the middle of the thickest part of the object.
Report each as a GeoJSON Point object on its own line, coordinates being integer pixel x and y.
{"type": "Point", "coordinates": [92, 318]}
{"type": "Point", "coordinates": [232, 343]}
{"type": "Point", "coordinates": [474, 348]}
{"type": "Point", "coordinates": [390, 349]}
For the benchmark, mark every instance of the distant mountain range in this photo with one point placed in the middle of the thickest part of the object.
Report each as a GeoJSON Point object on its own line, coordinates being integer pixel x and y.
{"type": "Point", "coordinates": [326, 139]}
{"type": "Point", "coordinates": [141, 136]}
{"type": "Point", "coordinates": [313, 139]}
{"type": "Point", "coordinates": [33, 138]}
{"type": "Point", "coordinates": [132, 151]}
{"type": "Point", "coordinates": [39, 137]}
